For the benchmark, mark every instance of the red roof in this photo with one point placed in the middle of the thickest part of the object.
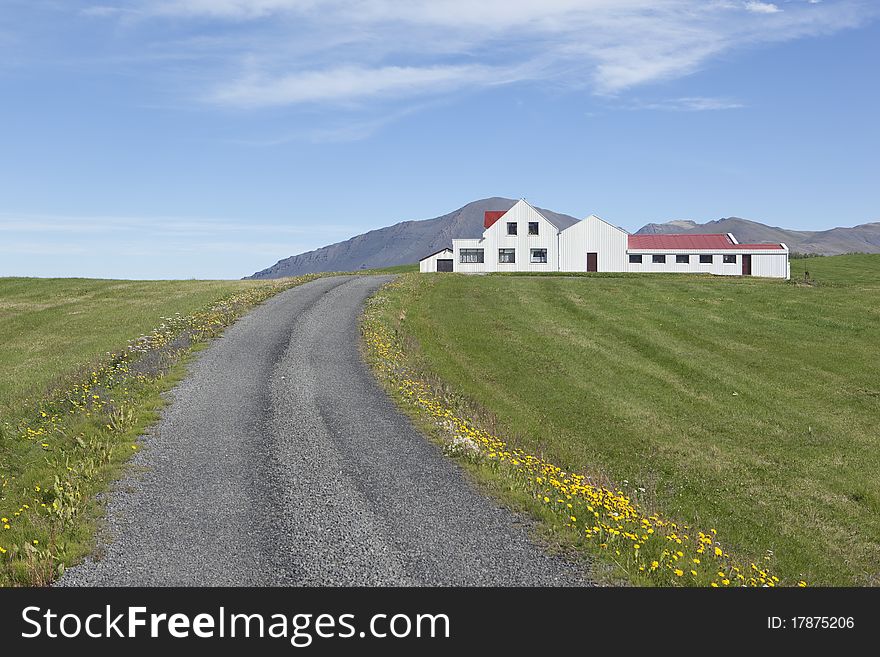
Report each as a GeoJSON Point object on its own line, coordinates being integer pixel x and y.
{"type": "Point", "coordinates": [686, 241]}
{"type": "Point", "coordinates": [491, 216]}
{"type": "Point", "coordinates": [763, 245]}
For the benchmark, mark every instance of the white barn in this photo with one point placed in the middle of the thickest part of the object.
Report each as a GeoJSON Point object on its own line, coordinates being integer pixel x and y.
{"type": "Point", "coordinates": [438, 261]}
{"type": "Point", "coordinates": [522, 239]}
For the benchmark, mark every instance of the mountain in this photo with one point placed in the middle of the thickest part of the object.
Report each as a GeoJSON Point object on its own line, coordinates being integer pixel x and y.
{"type": "Point", "coordinates": [409, 241]}
{"type": "Point", "coordinates": [864, 238]}
{"type": "Point", "coordinates": [403, 243]}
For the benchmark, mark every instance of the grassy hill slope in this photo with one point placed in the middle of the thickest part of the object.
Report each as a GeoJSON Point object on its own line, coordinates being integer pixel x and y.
{"type": "Point", "coordinates": [744, 404]}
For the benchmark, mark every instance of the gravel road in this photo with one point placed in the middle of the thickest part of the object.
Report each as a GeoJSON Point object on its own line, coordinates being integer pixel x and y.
{"type": "Point", "coordinates": [280, 461]}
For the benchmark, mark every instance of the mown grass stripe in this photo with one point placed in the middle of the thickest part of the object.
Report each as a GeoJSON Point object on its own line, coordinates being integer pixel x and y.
{"type": "Point", "coordinates": [633, 379]}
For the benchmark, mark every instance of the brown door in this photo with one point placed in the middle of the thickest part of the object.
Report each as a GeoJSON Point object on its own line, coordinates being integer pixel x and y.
{"type": "Point", "coordinates": [592, 262]}
{"type": "Point", "coordinates": [747, 265]}
{"type": "Point", "coordinates": [444, 265]}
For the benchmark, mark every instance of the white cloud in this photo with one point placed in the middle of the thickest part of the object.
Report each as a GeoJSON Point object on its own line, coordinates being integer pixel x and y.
{"type": "Point", "coordinates": [762, 7]}
{"type": "Point", "coordinates": [351, 83]}
{"type": "Point", "coordinates": [690, 104]}
{"type": "Point", "coordinates": [231, 9]}
{"type": "Point", "coordinates": [346, 127]}
{"type": "Point", "coordinates": [294, 52]}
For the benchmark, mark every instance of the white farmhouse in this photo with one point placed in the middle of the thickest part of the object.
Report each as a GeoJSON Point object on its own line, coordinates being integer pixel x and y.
{"type": "Point", "coordinates": [522, 239]}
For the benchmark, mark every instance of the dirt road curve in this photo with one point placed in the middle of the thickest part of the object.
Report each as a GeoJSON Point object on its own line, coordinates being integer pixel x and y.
{"type": "Point", "coordinates": [280, 461]}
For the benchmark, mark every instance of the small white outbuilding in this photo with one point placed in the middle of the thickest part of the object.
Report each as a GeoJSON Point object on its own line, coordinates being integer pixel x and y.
{"type": "Point", "coordinates": [439, 261]}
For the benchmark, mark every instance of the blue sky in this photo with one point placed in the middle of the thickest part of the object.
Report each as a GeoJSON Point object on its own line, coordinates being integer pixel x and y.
{"type": "Point", "coordinates": [210, 138]}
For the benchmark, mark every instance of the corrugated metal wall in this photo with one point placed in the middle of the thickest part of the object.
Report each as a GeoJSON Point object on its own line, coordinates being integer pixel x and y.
{"type": "Point", "coordinates": [763, 264]}
{"type": "Point", "coordinates": [717, 267]}
{"type": "Point", "coordinates": [770, 265]}
{"type": "Point", "coordinates": [596, 236]}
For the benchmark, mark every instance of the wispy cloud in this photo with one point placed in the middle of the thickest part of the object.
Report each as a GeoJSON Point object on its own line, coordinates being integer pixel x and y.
{"type": "Point", "coordinates": [762, 7]}
{"type": "Point", "coordinates": [346, 127]}
{"type": "Point", "coordinates": [296, 52]}
{"type": "Point", "coordinates": [350, 83]}
{"type": "Point", "coordinates": [689, 104]}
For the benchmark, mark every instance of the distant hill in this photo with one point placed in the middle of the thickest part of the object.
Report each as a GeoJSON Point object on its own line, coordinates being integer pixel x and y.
{"type": "Point", "coordinates": [400, 244]}
{"type": "Point", "coordinates": [864, 238]}
{"type": "Point", "coordinates": [409, 241]}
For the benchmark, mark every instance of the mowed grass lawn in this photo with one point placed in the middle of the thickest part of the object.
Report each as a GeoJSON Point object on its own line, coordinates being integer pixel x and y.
{"type": "Point", "coordinates": [747, 405]}
{"type": "Point", "coordinates": [51, 329]}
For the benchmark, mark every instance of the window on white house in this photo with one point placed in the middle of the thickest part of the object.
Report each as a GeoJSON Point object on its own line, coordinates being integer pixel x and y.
{"type": "Point", "coordinates": [511, 228]}
{"type": "Point", "coordinates": [635, 259]}
{"type": "Point", "coordinates": [705, 259]}
{"type": "Point", "coordinates": [506, 255]}
{"type": "Point", "coordinates": [539, 255]}
{"type": "Point", "coordinates": [729, 259]}
{"type": "Point", "coordinates": [470, 256]}
{"type": "Point", "coordinates": [533, 228]}
{"type": "Point", "coordinates": [682, 259]}
{"type": "Point", "coordinates": [658, 259]}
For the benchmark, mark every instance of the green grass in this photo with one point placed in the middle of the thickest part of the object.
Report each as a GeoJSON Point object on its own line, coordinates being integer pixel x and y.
{"type": "Point", "coordinates": [748, 405]}
{"type": "Point", "coordinates": [51, 328]}
{"type": "Point", "coordinates": [395, 269]}
{"type": "Point", "coordinates": [850, 270]}
{"type": "Point", "coordinates": [71, 414]}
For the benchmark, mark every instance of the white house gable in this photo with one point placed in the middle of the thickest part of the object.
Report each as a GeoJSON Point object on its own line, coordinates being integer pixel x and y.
{"type": "Point", "coordinates": [522, 239]}
{"type": "Point", "coordinates": [594, 236]}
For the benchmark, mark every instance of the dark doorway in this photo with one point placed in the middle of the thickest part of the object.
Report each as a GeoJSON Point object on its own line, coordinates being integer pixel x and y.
{"type": "Point", "coordinates": [592, 262]}
{"type": "Point", "coordinates": [747, 265]}
{"type": "Point", "coordinates": [444, 265]}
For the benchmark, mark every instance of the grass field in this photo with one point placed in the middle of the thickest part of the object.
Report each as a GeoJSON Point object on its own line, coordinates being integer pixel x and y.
{"type": "Point", "coordinates": [52, 328]}
{"type": "Point", "coordinates": [395, 269]}
{"type": "Point", "coordinates": [748, 405]}
{"type": "Point", "coordinates": [71, 413]}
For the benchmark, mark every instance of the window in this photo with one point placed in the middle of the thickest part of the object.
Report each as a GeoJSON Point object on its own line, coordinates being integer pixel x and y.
{"type": "Point", "coordinates": [682, 259]}
{"type": "Point", "coordinates": [705, 259]}
{"type": "Point", "coordinates": [511, 228]}
{"type": "Point", "coordinates": [658, 259]}
{"type": "Point", "coordinates": [635, 259]}
{"type": "Point", "coordinates": [471, 256]}
{"type": "Point", "coordinates": [729, 259]}
{"type": "Point", "coordinates": [507, 255]}
{"type": "Point", "coordinates": [539, 255]}
{"type": "Point", "coordinates": [533, 228]}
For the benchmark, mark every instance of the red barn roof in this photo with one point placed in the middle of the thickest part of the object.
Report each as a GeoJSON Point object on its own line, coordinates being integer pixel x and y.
{"type": "Point", "coordinates": [763, 245]}
{"type": "Point", "coordinates": [686, 241]}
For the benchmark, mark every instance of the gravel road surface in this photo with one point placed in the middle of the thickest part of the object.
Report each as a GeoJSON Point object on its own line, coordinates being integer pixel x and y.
{"type": "Point", "coordinates": [280, 461]}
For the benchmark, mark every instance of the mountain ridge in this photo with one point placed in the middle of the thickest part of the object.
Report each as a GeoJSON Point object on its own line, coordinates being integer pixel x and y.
{"type": "Point", "coordinates": [863, 238]}
{"type": "Point", "coordinates": [406, 242]}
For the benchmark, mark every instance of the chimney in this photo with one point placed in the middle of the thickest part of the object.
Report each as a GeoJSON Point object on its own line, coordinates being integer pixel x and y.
{"type": "Point", "coordinates": [492, 216]}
